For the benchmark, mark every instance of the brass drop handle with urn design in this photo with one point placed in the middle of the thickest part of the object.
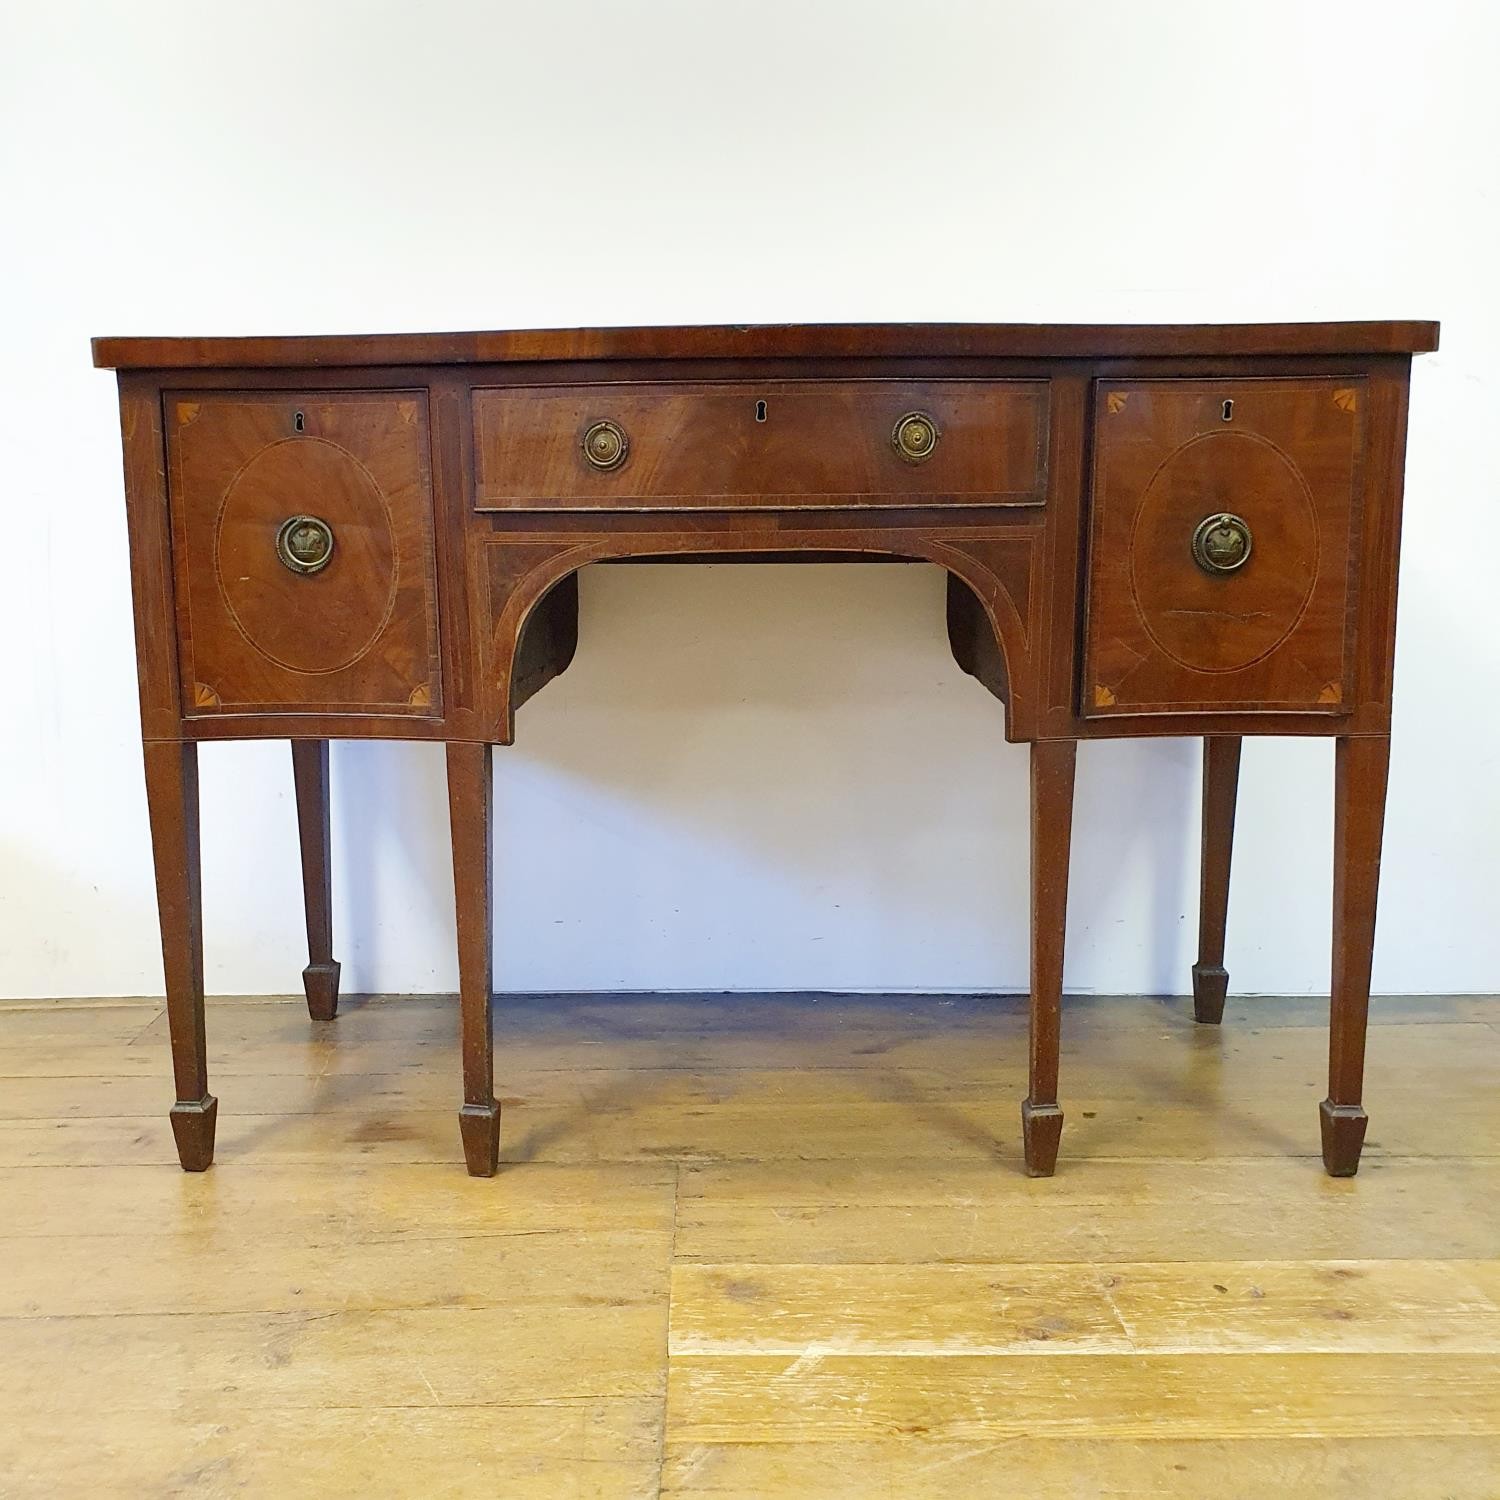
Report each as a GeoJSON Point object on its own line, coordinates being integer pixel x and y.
{"type": "Point", "coordinates": [915, 437]}
{"type": "Point", "coordinates": [605, 446]}
{"type": "Point", "coordinates": [1221, 543]}
{"type": "Point", "coordinates": [304, 543]}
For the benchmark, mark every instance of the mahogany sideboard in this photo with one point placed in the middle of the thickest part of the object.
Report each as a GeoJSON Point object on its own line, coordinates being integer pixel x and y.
{"type": "Point", "coordinates": [1146, 530]}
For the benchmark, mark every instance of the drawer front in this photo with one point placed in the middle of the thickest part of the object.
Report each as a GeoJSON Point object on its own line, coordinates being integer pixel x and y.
{"type": "Point", "coordinates": [1220, 545]}
{"type": "Point", "coordinates": [769, 445]}
{"type": "Point", "coordinates": [303, 551]}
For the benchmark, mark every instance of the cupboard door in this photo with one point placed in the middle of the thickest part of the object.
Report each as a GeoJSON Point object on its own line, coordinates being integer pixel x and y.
{"type": "Point", "coordinates": [303, 551]}
{"type": "Point", "coordinates": [1221, 540]}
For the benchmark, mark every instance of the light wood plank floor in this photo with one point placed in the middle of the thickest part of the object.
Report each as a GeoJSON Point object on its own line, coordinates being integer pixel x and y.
{"type": "Point", "coordinates": [749, 1248]}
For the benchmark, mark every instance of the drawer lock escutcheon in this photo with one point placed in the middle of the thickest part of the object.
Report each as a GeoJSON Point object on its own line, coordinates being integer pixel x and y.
{"type": "Point", "coordinates": [1221, 543]}
{"type": "Point", "coordinates": [304, 543]}
{"type": "Point", "coordinates": [915, 437]}
{"type": "Point", "coordinates": [605, 446]}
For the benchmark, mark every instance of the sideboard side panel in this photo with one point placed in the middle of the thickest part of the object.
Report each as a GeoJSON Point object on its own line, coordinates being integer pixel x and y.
{"type": "Point", "coordinates": [1378, 545]}
{"type": "Point", "coordinates": [1061, 564]}
{"type": "Point", "coordinates": [150, 536]}
{"type": "Point", "coordinates": [448, 407]}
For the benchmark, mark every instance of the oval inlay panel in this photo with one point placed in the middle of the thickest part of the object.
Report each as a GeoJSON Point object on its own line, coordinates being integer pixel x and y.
{"type": "Point", "coordinates": [1227, 622]}
{"type": "Point", "coordinates": [317, 622]}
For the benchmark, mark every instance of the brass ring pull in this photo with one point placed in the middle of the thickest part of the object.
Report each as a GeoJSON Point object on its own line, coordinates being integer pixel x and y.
{"type": "Point", "coordinates": [605, 446]}
{"type": "Point", "coordinates": [304, 543]}
{"type": "Point", "coordinates": [915, 437]}
{"type": "Point", "coordinates": [1221, 543]}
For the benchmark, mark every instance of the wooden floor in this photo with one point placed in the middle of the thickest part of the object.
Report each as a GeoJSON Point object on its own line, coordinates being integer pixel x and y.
{"type": "Point", "coordinates": [749, 1248]}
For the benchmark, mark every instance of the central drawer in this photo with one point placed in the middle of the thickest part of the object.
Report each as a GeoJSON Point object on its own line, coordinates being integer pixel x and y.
{"type": "Point", "coordinates": [760, 445]}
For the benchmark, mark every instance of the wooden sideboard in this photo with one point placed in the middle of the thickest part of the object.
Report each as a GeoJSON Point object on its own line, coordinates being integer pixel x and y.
{"type": "Point", "coordinates": [1146, 531]}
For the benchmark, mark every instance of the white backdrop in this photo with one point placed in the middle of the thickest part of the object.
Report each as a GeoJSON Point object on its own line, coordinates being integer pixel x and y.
{"type": "Point", "coordinates": [750, 778]}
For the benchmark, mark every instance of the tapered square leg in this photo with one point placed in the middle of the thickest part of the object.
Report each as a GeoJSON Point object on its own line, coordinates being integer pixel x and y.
{"type": "Point", "coordinates": [1221, 776]}
{"type": "Point", "coordinates": [320, 979]}
{"type": "Point", "coordinates": [470, 803]}
{"type": "Point", "coordinates": [1361, 769]}
{"type": "Point", "coordinates": [1052, 765]}
{"type": "Point", "coordinates": [172, 803]}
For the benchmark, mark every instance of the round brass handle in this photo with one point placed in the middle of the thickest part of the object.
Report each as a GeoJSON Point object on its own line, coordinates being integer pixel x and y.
{"type": "Point", "coordinates": [1221, 543]}
{"type": "Point", "coordinates": [915, 436]}
{"type": "Point", "coordinates": [605, 445]}
{"type": "Point", "coordinates": [304, 543]}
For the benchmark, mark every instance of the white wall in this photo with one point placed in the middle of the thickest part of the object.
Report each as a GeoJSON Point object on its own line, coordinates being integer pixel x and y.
{"type": "Point", "coordinates": [750, 778]}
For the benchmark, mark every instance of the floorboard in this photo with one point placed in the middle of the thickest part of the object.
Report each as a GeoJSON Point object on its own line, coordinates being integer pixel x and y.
{"type": "Point", "coordinates": [750, 1247]}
